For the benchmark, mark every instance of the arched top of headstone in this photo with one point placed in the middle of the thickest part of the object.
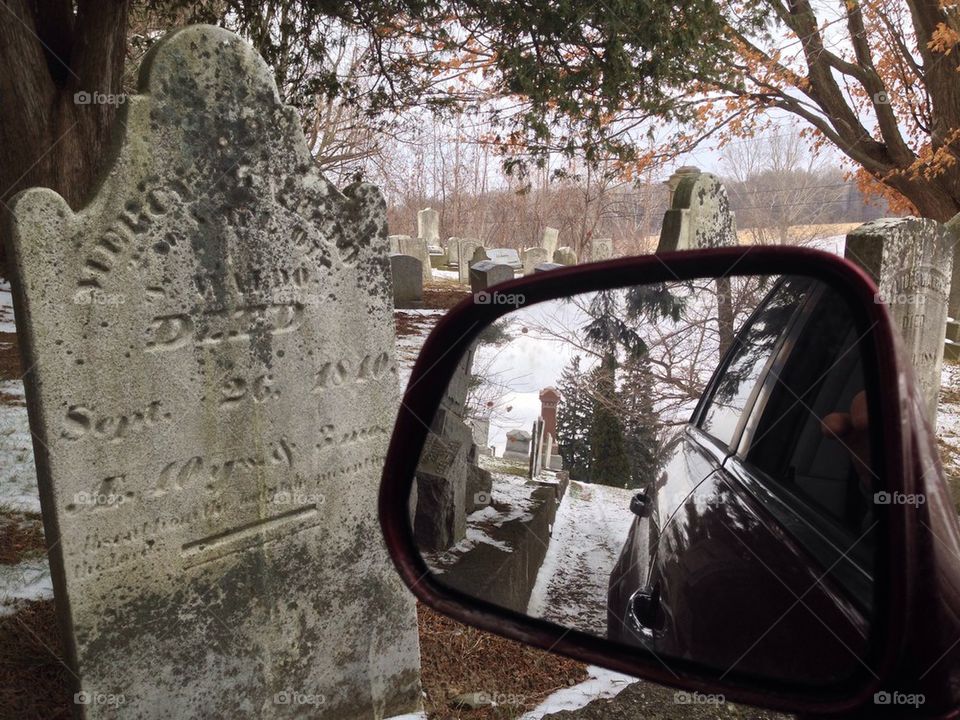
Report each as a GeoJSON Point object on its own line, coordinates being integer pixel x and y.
{"type": "Point", "coordinates": [699, 214]}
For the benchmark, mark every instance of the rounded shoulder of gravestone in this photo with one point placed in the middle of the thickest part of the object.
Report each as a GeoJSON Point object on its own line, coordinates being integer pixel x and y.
{"type": "Point", "coordinates": [207, 126]}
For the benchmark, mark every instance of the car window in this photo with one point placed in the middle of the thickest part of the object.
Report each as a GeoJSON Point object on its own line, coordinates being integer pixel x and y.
{"type": "Point", "coordinates": [800, 442]}
{"type": "Point", "coordinates": [752, 349]}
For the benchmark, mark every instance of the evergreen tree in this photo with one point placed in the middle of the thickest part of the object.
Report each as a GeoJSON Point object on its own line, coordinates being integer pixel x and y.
{"type": "Point", "coordinates": [574, 415]}
{"type": "Point", "coordinates": [643, 439]}
{"type": "Point", "coordinates": [608, 457]}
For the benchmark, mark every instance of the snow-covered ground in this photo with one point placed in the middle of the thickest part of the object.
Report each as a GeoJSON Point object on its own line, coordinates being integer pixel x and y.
{"type": "Point", "coordinates": [590, 529]}
{"type": "Point", "coordinates": [600, 684]}
{"type": "Point", "coordinates": [7, 324]}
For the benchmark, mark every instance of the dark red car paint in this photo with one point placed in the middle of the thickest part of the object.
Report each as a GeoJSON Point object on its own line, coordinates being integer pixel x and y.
{"type": "Point", "coordinates": [915, 639]}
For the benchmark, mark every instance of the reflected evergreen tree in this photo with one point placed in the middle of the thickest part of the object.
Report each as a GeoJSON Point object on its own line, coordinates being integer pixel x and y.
{"type": "Point", "coordinates": [608, 456]}
{"type": "Point", "coordinates": [574, 416]}
{"type": "Point", "coordinates": [642, 434]}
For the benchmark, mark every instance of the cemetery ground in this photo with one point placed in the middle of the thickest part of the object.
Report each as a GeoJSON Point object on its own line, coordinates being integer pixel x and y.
{"type": "Point", "coordinates": [458, 662]}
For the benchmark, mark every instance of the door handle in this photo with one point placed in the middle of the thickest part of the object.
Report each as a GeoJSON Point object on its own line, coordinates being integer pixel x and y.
{"type": "Point", "coordinates": [640, 504]}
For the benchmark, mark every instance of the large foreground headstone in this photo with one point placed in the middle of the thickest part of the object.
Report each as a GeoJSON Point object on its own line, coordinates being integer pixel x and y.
{"type": "Point", "coordinates": [407, 275]}
{"type": "Point", "coordinates": [911, 260]}
{"type": "Point", "coordinates": [212, 388]}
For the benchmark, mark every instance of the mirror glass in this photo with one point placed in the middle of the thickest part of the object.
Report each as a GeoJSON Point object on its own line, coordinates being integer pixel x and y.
{"type": "Point", "coordinates": [680, 466]}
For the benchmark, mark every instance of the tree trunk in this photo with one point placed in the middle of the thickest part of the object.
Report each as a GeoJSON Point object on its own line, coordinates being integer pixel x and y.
{"type": "Point", "coordinates": [49, 136]}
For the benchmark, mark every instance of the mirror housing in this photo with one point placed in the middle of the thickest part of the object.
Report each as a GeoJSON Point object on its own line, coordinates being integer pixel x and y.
{"type": "Point", "coordinates": [901, 643]}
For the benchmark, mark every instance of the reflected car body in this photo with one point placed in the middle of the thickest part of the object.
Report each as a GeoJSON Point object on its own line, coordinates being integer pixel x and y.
{"type": "Point", "coordinates": [753, 553]}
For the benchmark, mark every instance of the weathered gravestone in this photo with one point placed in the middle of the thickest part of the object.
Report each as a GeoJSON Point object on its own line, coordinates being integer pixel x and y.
{"type": "Point", "coordinates": [465, 257]}
{"type": "Point", "coordinates": [700, 217]}
{"type": "Point", "coordinates": [407, 275]}
{"type": "Point", "coordinates": [549, 242]}
{"type": "Point", "coordinates": [453, 252]}
{"type": "Point", "coordinates": [396, 241]}
{"type": "Point", "coordinates": [209, 445]}
{"type": "Point", "coordinates": [428, 226]}
{"type": "Point", "coordinates": [601, 249]}
{"type": "Point", "coordinates": [417, 247]}
{"type": "Point", "coordinates": [911, 261]}
{"type": "Point", "coordinates": [565, 256]}
{"type": "Point", "coordinates": [506, 256]}
{"type": "Point", "coordinates": [533, 257]}
{"type": "Point", "coordinates": [517, 446]}
{"type": "Point", "coordinates": [487, 273]}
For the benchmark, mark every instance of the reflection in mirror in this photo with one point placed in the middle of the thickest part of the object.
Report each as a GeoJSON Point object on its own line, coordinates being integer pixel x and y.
{"type": "Point", "coordinates": [682, 466]}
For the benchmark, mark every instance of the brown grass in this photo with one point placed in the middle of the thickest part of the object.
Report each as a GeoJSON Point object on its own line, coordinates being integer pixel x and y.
{"type": "Point", "coordinates": [33, 678]}
{"type": "Point", "coordinates": [9, 357]}
{"type": "Point", "coordinates": [21, 535]}
{"type": "Point", "coordinates": [457, 659]}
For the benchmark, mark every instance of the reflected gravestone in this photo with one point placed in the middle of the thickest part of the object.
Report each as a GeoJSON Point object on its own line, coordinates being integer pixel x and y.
{"type": "Point", "coordinates": [212, 393]}
{"type": "Point", "coordinates": [911, 261]}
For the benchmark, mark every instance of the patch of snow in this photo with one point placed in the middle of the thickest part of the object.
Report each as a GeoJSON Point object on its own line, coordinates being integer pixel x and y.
{"type": "Point", "coordinates": [446, 274]}
{"type": "Point", "coordinates": [7, 323]}
{"type": "Point", "coordinates": [18, 474]}
{"type": "Point", "coordinates": [27, 580]}
{"type": "Point", "coordinates": [601, 684]}
{"type": "Point", "coordinates": [589, 532]}
{"type": "Point", "coordinates": [411, 716]}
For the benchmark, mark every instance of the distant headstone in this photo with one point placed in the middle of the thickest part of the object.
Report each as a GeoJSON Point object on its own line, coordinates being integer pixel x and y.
{"type": "Point", "coordinates": [533, 257]}
{"type": "Point", "coordinates": [549, 242]}
{"type": "Point", "coordinates": [601, 249]}
{"type": "Point", "coordinates": [536, 448]}
{"type": "Point", "coordinates": [547, 267]}
{"type": "Point", "coordinates": [699, 215]}
{"type": "Point", "coordinates": [465, 258]}
{"type": "Point", "coordinates": [212, 391]}
{"type": "Point", "coordinates": [487, 273]}
{"type": "Point", "coordinates": [428, 226]}
{"type": "Point", "coordinates": [395, 242]}
{"type": "Point", "coordinates": [518, 446]}
{"type": "Point", "coordinates": [481, 434]}
{"type": "Point", "coordinates": [565, 256]}
{"type": "Point", "coordinates": [453, 251]}
{"type": "Point", "coordinates": [407, 274]}
{"type": "Point", "coordinates": [417, 247]}
{"type": "Point", "coordinates": [911, 260]}
{"type": "Point", "coordinates": [506, 256]}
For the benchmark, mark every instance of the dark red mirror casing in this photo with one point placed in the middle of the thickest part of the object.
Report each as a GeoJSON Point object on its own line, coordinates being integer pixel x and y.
{"type": "Point", "coordinates": [906, 587]}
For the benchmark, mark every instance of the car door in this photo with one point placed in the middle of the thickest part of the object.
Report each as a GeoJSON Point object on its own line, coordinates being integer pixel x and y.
{"type": "Point", "coordinates": [694, 456]}
{"type": "Point", "coordinates": [771, 548]}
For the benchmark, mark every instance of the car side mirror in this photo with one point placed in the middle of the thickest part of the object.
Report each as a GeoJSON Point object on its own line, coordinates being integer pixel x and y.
{"type": "Point", "coordinates": [708, 436]}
